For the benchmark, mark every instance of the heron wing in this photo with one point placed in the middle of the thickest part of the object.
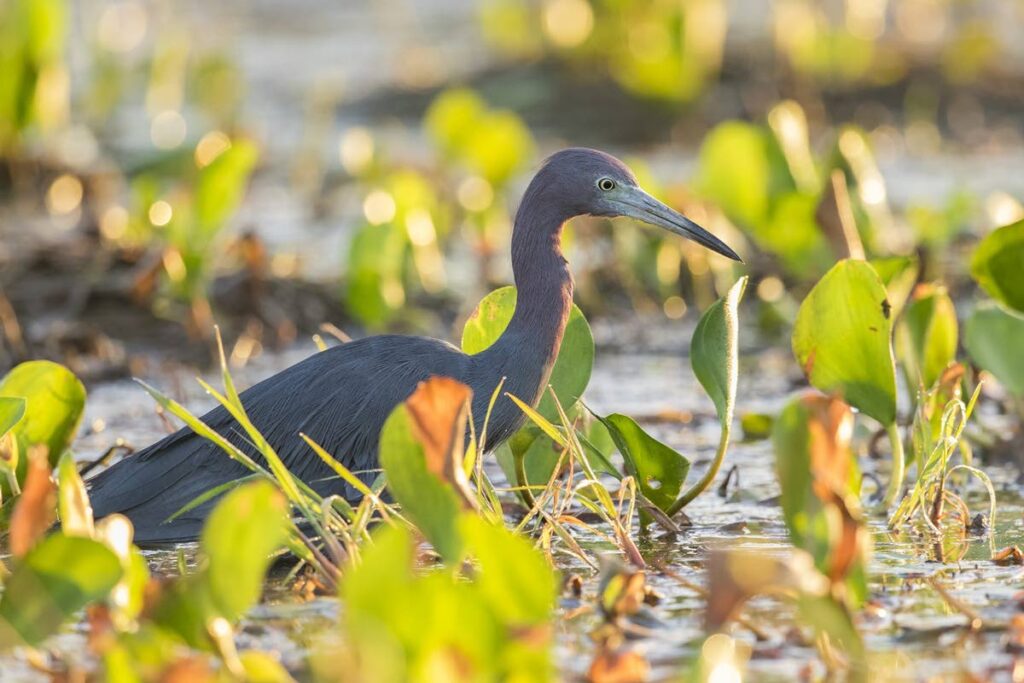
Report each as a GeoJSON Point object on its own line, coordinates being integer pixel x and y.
{"type": "Point", "coordinates": [340, 398]}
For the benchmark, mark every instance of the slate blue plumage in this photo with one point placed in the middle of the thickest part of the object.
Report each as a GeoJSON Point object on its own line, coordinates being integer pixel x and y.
{"type": "Point", "coordinates": [341, 397]}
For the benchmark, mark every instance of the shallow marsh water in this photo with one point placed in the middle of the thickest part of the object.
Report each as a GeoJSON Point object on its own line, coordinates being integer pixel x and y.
{"type": "Point", "coordinates": [913, 634]}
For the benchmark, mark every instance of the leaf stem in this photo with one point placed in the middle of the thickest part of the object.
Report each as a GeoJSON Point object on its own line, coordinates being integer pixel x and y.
{"type": "Point", "coordinates": [709, 476]}
{"type": "Point", "coordinates": [898, 465]}
{"type": "Point", "coordinates": [519, 460]}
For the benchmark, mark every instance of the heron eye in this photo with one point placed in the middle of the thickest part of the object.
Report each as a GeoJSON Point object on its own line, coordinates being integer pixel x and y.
{"type": "Point", "coordinates": [606, 184]}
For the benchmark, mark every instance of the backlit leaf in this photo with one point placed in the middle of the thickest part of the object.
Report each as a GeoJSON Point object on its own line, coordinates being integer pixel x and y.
{"type": "Point", "coordinates": [993, 337]}
{"type": "Point", "coordinates": [54, 400]}
{"type": "Point", "coordinates": [927, 335]}
{"type": "Point", "coordinates": [244, 530]}
{"type": "Point", "coordinates": [842, 339]}
{"type": "Point", "coordinates": [659, 470]}
{"type": "Point", "coordinates": [996, 265]}
{"type": "Point", "coordinates": [571, 372]}
{"type": "Point", "coordinates": [54, 580]}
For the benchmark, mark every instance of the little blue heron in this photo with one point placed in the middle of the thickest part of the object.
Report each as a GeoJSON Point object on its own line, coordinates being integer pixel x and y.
{"type": "Point", "coordinates": [340, 397]}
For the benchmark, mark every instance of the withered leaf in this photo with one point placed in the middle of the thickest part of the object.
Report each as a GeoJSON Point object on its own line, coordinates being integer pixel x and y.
{"type": "Point", "coordinates": [439, 409]}
{"type": "Point", "coordinates": [618, 666]}
{"type": "Point", "coordinates": [35, 510]}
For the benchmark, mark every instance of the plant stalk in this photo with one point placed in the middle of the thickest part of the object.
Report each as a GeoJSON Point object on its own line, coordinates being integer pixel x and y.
{"type": "Point", "coordinates": [524, 486]}
{"type": "Point", "coordinates": [709, 476]}
{"type": "Point", "coordinates": [898, 465]}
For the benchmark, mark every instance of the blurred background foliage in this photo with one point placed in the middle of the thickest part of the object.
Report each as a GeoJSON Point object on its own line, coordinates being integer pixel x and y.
{"type": "Point", "coordinates": [128, 130]}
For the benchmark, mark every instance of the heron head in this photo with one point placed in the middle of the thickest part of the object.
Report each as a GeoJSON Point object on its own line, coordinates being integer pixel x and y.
{"type": "Point", "coordinates": [604, 186]}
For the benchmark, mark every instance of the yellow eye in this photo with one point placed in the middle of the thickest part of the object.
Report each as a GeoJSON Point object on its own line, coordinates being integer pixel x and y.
{"type": "Point", "coordinates": [606, 184]}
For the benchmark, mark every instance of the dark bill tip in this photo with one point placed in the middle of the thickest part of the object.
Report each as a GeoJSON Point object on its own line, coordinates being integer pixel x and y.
{"type": "Point", "coordinates": [646, 208]}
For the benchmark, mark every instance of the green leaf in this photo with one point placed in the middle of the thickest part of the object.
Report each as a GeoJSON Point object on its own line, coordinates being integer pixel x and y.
{"type": "Point", "coordinates": [927, 335]}
{"type": "Point", "coordinates": [243, 532]}
{"type": "Point", "coordinates": [842, 339]}
{"type": "Point", "coordinates": [221, 186]}
{"type": "Point", "coordinates": [54, 400]}
{"type": "Point", "coordinates": [714, 351]}
{"type": "Point", "coordinates": [659, 470]}
{"type": "Point", "coordinates": [427, 501]}
{"type": "Point", "coordinates": [899, 274]}
{"type": "Point", "coordinates": [996, 265]}
{"type": "Point", "coordinates": [374, 290]}
{"type": "Point", "coordinates": [819, 481]}
{"type": "Point", "coordinates": [12, 409]}
{"type": "Point", "coordinates": [735, 171]}
{"type": "Point", "coordinates": [514, 578]}
{"type": "Point", "coordinates": [993, 336]}
{"type": "Point", "coordinates": [571, 372]}
{"type": "Point", "coordinates": [58, 577]}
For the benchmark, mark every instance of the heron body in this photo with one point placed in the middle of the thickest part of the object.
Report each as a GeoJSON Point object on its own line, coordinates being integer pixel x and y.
{"type": "Point", "coordinates": [341, 397]}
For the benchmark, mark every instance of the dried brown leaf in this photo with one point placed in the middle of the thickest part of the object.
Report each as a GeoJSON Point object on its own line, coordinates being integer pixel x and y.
{"type": "Point", "coordinates": [1011, 555]}
{"type": "Point", "coordinates": [618, 666]}
{"type": "Point", "coordinates": [439, 410]}
{"type": "Point", "coordinates": [36, 508]}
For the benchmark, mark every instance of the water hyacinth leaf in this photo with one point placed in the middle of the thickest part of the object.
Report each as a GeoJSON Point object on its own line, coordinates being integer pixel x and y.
{"type": "Point", "coordinates": [927, 335]}
{"type": "Point", "coordinates": [426, 497]}
{"type": "Point", "coordinates": [12, 408]}
{"type": "Point", "coordinates": [659, 470]}
{"type": "Point", "coordinates": [735, 171]}
{"type": "Point", "coordinates": [451, 117]}
{"type": "Point", "coordinates": [244, 530]}
{"type": "Point", "coordinates": [571, 372]}
{"type": "Point", "coordinates": [735, 576]}
{"type": "Point", "coordinates": [76, 517]}
{"type": "Point", "coordinates": [54, 580]}
{"type": "Point", "coordinates": [714, 351]}
{"type": "Point", "coordinates": [374, 287]}
{"type": "Point", "coordinates": [514, 577]}
{"type": "Point", "coordinates": [220, 186]}
{"type": "Point", "coordinates": [54, 400]}
{"type": "Point", "coordinates": [842, 339]}
{"type": "Point", "coordinates": [484, 640]}
{"type": "Point", "coordinates": [996, 265]}
{"type": "Point", "coordinates": [35, 509]}
{"type": "Point", "coordinates": [990, 336]}
{"type": "Point", "coordinates": [714, 356]}
{"type": "Point", "coordinates": [899, 274]}
{"type": "Point", "coordinates": [820, 482]}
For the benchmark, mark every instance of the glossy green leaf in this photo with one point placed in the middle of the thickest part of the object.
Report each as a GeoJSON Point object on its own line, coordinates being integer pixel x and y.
{"type": "Point", "coordinates": [571, 372]}
{"type": "Point", "coordinates": [842, 339]}
{"type": "Point", "coordinates": [54, 401]}
{"type": "Point", "coordinates": [428, 502]}
{"type": "Point", "coordinates": [997, 265]}
{"type": "Point", "coordinates": [58, 577]}
{"type": "Point", "coordinates": [714, 351]}
{"type": "Point", "coordinates": [993, 337]}
{"type": "Point", "coordinates": [927, 335]}
{"type": "Point", "coordinates": [659, 470]}
{"type": "Point", "coordinates": [12, 409]}
{"type": "Point", "coordinates": [242, 533]}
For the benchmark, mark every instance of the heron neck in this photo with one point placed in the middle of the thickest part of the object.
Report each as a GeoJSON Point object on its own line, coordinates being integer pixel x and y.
{"type": "Point", "coordinates": [526, 351]}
